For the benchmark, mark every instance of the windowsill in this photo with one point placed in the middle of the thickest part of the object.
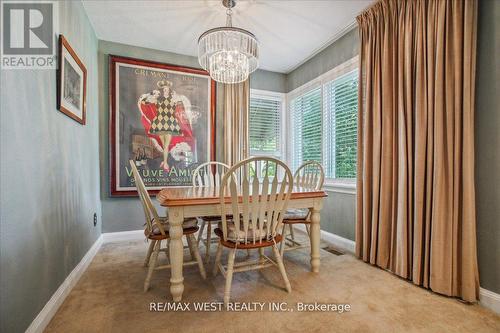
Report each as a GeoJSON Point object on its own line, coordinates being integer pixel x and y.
{"type": "Point", "coordinates": [340, 186]}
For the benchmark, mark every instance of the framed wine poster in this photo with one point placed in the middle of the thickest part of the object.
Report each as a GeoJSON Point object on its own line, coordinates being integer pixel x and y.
{"type": "Point", "coordinates": [162, 117]}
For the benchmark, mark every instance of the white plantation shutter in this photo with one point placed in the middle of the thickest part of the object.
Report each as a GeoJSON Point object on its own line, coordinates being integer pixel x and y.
{"type": "Point", "coordinates": [306, 127]}
{"type": "Point", "coordinates": [340, 119]}
{"type": "Point", "coordinates": [265, 126]}
{"type": "Point", "coordinates": [324, 119]}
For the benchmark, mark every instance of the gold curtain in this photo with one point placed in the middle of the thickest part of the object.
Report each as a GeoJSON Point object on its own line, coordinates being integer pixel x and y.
{"type": "Point", "coordinates": [415, 188]}
{"type": "Point", "coordinates": [236, 108]}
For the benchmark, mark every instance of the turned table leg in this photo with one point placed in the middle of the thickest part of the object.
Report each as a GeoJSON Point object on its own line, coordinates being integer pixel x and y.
{"type": "Point", "coordinates": [176, 249]}
{"type": "Point", "coordinates": [315, 234]}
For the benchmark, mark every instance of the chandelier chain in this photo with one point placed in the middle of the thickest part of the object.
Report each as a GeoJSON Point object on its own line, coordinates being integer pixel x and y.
{"type": "Point", "coordinates": [229, 17]}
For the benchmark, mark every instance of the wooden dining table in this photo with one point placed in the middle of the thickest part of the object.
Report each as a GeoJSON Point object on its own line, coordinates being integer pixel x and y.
{"type": "Point", "coordinates": [184, 202]}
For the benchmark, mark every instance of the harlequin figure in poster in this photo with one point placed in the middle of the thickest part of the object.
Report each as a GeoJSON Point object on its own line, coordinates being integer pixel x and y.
{"type": "Point", "coordinates": [166, 117]}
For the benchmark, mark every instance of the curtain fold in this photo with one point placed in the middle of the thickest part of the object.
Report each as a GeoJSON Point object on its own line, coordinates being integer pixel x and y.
{"type": "Point", "coordinates": [236, 111]}
{"type": "Point", "coordinates": [415, 187]}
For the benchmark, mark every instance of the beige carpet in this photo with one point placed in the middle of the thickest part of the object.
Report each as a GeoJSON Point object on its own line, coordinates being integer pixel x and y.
{"type": "Point", "coordinates": [109, 298]}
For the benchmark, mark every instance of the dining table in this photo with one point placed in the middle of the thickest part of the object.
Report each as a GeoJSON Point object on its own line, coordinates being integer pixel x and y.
{"type": "Point", "coordinates": [185, 202]}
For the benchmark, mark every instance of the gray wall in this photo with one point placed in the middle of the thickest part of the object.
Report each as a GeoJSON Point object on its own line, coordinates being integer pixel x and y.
{"type": "Point", "coordinates": [49, 180]}
{"type": "Point", "coordinates": [270, 81]}
{"type": "Point", "coordinates": [488, 145]}
{"type": "Point", "coordinates": [122, 214]}
{"type": "Point", "coordinates": [335, 54]}
{"type": "Point", "coordinates": [338, 214]}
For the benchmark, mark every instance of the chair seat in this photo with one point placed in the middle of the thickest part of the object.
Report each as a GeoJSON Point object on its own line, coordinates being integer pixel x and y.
{"type": "Point", "coordinates": [188, 223]}
{"type": "Point", "coordinates": [250, 244]}
{"type": "Point", "coordinates": [185, 231]}
{"type": "Point", "coordinates": [239, 235]}
{"type": "Point", "coordinates": [296, 214]}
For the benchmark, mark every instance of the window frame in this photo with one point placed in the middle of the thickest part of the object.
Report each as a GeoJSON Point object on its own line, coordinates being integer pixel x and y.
{"type": "Point", "coordinates": [341, 185]}
{"type": "Point", "coordinates": [273, 96]}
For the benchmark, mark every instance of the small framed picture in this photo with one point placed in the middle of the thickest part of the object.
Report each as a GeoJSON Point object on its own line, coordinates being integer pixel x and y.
{"type": "Point", "coordinates": [72, 83]}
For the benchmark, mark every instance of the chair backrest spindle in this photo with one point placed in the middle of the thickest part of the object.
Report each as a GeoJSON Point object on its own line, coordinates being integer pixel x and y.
{"type": "Point", "coordinates": [258, 199]}
{"type": "Point", "coordinates": [310, 175]}
{"type": "Point", "coordinates": [209, 174]}
{"type": "Point", "coordinates": [150, 213]}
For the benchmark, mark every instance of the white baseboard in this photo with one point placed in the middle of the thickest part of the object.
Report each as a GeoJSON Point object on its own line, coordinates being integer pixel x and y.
{"type": "Point", "coordinates": [121, 236]}
{"type": "Point", "coordinates": [339, 242]}
{"type": "Point", "coordinates": [489, 300]}
{"type": "Point", "coordinates": [49, 310]}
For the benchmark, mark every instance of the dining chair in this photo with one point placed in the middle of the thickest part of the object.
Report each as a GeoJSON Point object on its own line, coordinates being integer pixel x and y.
{"type": "Point", "coordinates": [309, 175]}
{"type": "Point", "coordinates": [156, 231]}
{"type": "Point", "coordinates": [258, 199]}
{"type": "Point", "coordinates": [208, 175]}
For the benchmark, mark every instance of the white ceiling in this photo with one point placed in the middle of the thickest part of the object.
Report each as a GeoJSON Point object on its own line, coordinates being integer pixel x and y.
{"type": "Point", "coordinates": [289, 32]}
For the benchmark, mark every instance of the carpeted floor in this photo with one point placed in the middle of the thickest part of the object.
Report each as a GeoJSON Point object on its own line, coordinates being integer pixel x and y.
{"type": "Point", "coordinates": [110, 298]}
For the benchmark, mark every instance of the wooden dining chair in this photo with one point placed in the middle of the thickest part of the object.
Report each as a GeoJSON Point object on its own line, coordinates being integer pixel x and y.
{"type": "Point", "coordinates": [156, 231]}
{"type": "Point", "coordinates": [258, 200]}
{"type": "Point", "coordinates": [309, 175]}
{"type": "Point", "coordinates": [208, 175]}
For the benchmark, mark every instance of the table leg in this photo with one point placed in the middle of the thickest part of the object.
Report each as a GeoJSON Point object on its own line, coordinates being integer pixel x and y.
{"type": "Point", "coordinates": [176, 249]}
{"type": "Point", "coordinates": [315, 235]}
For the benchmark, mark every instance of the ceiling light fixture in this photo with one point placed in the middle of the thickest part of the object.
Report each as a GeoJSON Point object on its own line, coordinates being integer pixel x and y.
{"type": "Point", "coordinates": [228, 53]}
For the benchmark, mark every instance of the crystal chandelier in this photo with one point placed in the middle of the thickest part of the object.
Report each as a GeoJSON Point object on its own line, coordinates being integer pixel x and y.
{"type": "Point", "coordinates": [228, 53]}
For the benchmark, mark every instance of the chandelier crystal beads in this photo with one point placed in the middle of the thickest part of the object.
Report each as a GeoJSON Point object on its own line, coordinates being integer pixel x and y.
{"type": "Point", "coordinates": [228, 53]}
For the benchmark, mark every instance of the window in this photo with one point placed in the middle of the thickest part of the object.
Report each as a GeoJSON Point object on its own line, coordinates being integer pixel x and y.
{"type": "Point", "coordinates": [307, 123]}
{"type": "Point", "coordinates": [324, 116]}
{"type": "Point", "coordinates": [341, 117]}
{"type": "Point", "coordinates": [265, 129]}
